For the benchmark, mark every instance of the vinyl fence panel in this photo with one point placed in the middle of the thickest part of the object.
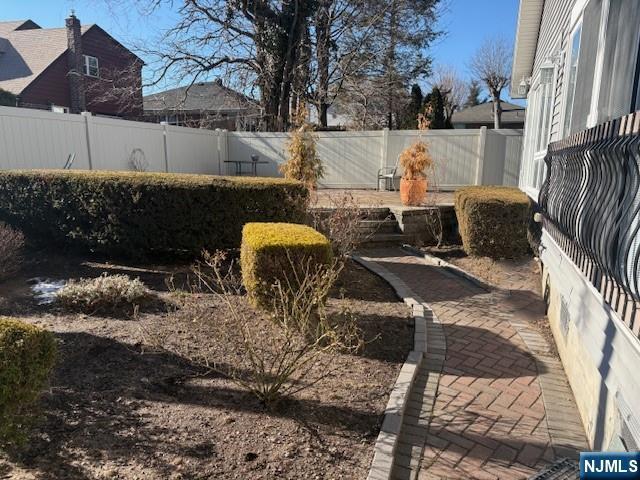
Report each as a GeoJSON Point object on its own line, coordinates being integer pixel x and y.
{"type": "Point", "coordinates": [455, 153]}
{"type": "Point", "coordinates": [270, 147]}
{"type": "Point", "coordinates": [118, 144]}
{"type": "Point", "coordinates": [38, 139]}
{"type": "Point", "coordinates": [193, 150]}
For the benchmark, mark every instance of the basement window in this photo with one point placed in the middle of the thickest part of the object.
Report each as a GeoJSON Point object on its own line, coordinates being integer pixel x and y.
{"type": "Point", "coordinates": [91, 66]}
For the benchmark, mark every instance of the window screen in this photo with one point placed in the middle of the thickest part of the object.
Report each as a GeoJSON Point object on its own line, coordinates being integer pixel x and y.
{"type": "Point", "coordinates": [546, 101]}
{"type": "Point", "coordinates": [586, 65]}
{"type": "Point", "coordinates": [571, 78]}
{"type": "Point", "coordinates": [620, 60]}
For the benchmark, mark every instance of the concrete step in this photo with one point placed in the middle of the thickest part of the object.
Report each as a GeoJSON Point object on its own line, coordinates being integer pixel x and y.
{"type": "Point", "coordinates": [375, 213]}
{"type": "Point", "coordinates": [388, 225]}
{"type": "Point", "coordinates": [385, 240]}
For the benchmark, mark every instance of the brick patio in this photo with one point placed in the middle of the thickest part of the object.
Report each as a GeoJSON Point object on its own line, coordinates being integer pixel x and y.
{"type": "Point", "coordinates": [489, 419]}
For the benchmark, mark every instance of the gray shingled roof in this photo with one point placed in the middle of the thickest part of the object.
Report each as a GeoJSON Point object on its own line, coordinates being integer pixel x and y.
{"type": "Point", "coordinates": [483, 113]}
{"type": "Point", "coordinates": [201, 96]}
{"type": "Point", "coordinates": [25, 54]}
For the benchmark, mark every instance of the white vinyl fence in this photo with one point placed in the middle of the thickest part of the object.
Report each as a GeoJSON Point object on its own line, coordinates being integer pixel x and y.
{"type": "Point", "coordinates": [39, 139]}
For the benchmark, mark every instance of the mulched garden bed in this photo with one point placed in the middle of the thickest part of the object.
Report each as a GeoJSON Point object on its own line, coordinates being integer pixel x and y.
{"type": "Point", "coordinates": [117, 409]}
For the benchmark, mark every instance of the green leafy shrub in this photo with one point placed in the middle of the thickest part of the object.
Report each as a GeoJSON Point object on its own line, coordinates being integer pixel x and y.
{"type": "Point", "coordinates": [134, 213]}
{"type": "Point", "coordinates": [279, 252]}
{"type": "Point", "coordinates": [105, 293]}
{"type": "Point", "coordinates": [27, 355]}
{"type": "Point", "coordinates": [11, 243]}
{"type": "Point", "coordinates": [493, 221]}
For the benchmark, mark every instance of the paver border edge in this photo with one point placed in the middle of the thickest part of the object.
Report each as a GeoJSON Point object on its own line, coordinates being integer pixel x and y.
{"type": "Point", "coordinates": [386, 444]}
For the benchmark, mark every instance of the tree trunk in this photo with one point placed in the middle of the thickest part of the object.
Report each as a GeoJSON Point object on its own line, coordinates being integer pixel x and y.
{"type": "Point", "coordinates": [390, 64]}
{"type": "Point", "coordinates": [497, 110]}
{"type": "Point", "coordinates": [323, 39]}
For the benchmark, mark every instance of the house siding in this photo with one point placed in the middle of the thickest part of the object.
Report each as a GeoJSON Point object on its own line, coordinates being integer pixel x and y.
{"type": "Point", "coordinates": [554, 35]}
{"type": "Point", "coordinates": [111, 58]}
{"type": "Point", "coordinates": [595, 346]}
{"type": "Point", "coordinates": [52, 86]}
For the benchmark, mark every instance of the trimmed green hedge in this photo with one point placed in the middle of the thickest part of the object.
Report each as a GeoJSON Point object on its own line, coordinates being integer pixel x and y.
{"type": "Point", "coordinates": [273, 252]}
{"type": "Point", "coordinates": [27, 355]}
{"type": "Point", "coordinates": [131, 213]}
{"type": "Point", "coordinates": [493, 221]}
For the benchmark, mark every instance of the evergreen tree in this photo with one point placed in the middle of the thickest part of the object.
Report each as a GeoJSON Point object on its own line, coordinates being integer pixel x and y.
{"type": "Point", "coordinates": [410, 117]}
{"type": "Point", "coordinates": [434, 110]}
{"type": "Point", "coordinates": [473, 98]}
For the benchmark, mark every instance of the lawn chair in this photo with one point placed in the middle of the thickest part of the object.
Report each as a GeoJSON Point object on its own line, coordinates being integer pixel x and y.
{"type": "Point", "coordinates": [388, 173]}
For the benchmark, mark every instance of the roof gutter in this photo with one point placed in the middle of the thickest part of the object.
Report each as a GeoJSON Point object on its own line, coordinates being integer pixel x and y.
{"type": "Point", "coordinates": [529, 19]}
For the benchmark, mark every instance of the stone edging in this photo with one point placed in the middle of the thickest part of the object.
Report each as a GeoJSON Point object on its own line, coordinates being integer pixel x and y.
{"type": "Point", "coordinates": [448, 267]}
{"type": "Point", "coordinates": [387, 441]}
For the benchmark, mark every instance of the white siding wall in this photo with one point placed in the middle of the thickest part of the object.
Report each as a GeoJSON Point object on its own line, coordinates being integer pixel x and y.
{"type": "Point", "coordinates": [36, 139]}
{"type": "Point", "coordinates": [554, 35]}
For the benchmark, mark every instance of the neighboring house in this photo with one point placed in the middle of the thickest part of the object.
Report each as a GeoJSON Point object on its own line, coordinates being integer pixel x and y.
{"type": "Point", "coordinates": [68, 69]}
{"type": "Point", "coordinates": [482, 116]}
{"type": "Point", "coordinates": [577, 63]}
{"type": "Point", "coordinates": [203, 105]}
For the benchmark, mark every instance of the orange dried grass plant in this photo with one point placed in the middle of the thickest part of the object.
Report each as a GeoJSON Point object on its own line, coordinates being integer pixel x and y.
{"type": "Point", "coordinates": [416, 158]}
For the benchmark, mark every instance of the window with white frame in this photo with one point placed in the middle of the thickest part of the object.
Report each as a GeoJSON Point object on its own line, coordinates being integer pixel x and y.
{"type": "Point", "coordinates": [91, 67]}
{"type": "Point", "coordinates": [619, 70]}
{"type": "Point", "coordinates": [59, 109]}
{"type": "Point", "coordinates": [602, 65]}
{"type": "Point", "coordinates": [545, 94]}
{"type": "Point", "coordinates": [571, 76]}
{"type": "Point", "coordinates": [538, 126]}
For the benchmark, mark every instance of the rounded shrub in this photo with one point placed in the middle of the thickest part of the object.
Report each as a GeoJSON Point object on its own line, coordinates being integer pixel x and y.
{"type": "Point", "coordinates": [493, 221]}
{"type": "Point", "coordinates": [27, 355]}
{"type": "Point", "coordinates": [279, 252]}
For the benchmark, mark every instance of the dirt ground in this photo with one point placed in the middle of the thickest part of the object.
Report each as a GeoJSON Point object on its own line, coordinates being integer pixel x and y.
{"type": "Point", "coordinates": [117, 410]}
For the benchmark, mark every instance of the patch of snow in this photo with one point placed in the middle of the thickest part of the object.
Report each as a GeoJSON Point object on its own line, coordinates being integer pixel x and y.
{"type": "Point", "coordinates": [45, 289]}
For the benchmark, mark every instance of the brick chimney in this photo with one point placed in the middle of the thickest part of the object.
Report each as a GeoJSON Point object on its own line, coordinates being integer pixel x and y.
{"type": "Point", "coordinates": [76, 64]}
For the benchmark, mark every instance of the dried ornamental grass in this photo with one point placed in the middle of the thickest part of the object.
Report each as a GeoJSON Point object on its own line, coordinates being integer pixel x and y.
{"type": "Point", "coordinates": [303, 163]}
{"type": "Point", "coordinates": [104, 293]}
{"type": "Point", "coordinates": [414, 160]}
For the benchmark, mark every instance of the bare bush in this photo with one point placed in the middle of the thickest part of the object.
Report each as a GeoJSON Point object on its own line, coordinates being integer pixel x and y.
{"type": "Point", "coordinates": [11, 244]}
{"type": "Point", "coordinates": [339, 223]}
{"type": "Point", "coordinates": [106, 293]}
{"type": "Point", "coordinates": [270, 355]}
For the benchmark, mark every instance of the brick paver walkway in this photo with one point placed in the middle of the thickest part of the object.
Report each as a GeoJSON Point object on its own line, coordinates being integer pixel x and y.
{"type": "Point", "coordinates": [489, 418]}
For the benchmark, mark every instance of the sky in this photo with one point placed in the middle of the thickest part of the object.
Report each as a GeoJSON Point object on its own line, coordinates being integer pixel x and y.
{"type": "Point", "coordinates": [466, 23]}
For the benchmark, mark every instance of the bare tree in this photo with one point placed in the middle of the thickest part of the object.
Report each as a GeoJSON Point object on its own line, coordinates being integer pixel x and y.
{"type": "Point", "coordinates": [452, 87]}
{"type": "Point", "coordinates": [473, 95]}
{"type": "Point", "coordinates": [343, 32]}
{"type": "Point", "coordinates": [491, 64]}
{"type": "Point", "coordinates": [284, 52]}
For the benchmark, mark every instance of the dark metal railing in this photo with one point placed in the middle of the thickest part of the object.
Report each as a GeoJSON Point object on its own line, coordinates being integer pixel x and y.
{"type": "Point", "coordinates": [590, 201]}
